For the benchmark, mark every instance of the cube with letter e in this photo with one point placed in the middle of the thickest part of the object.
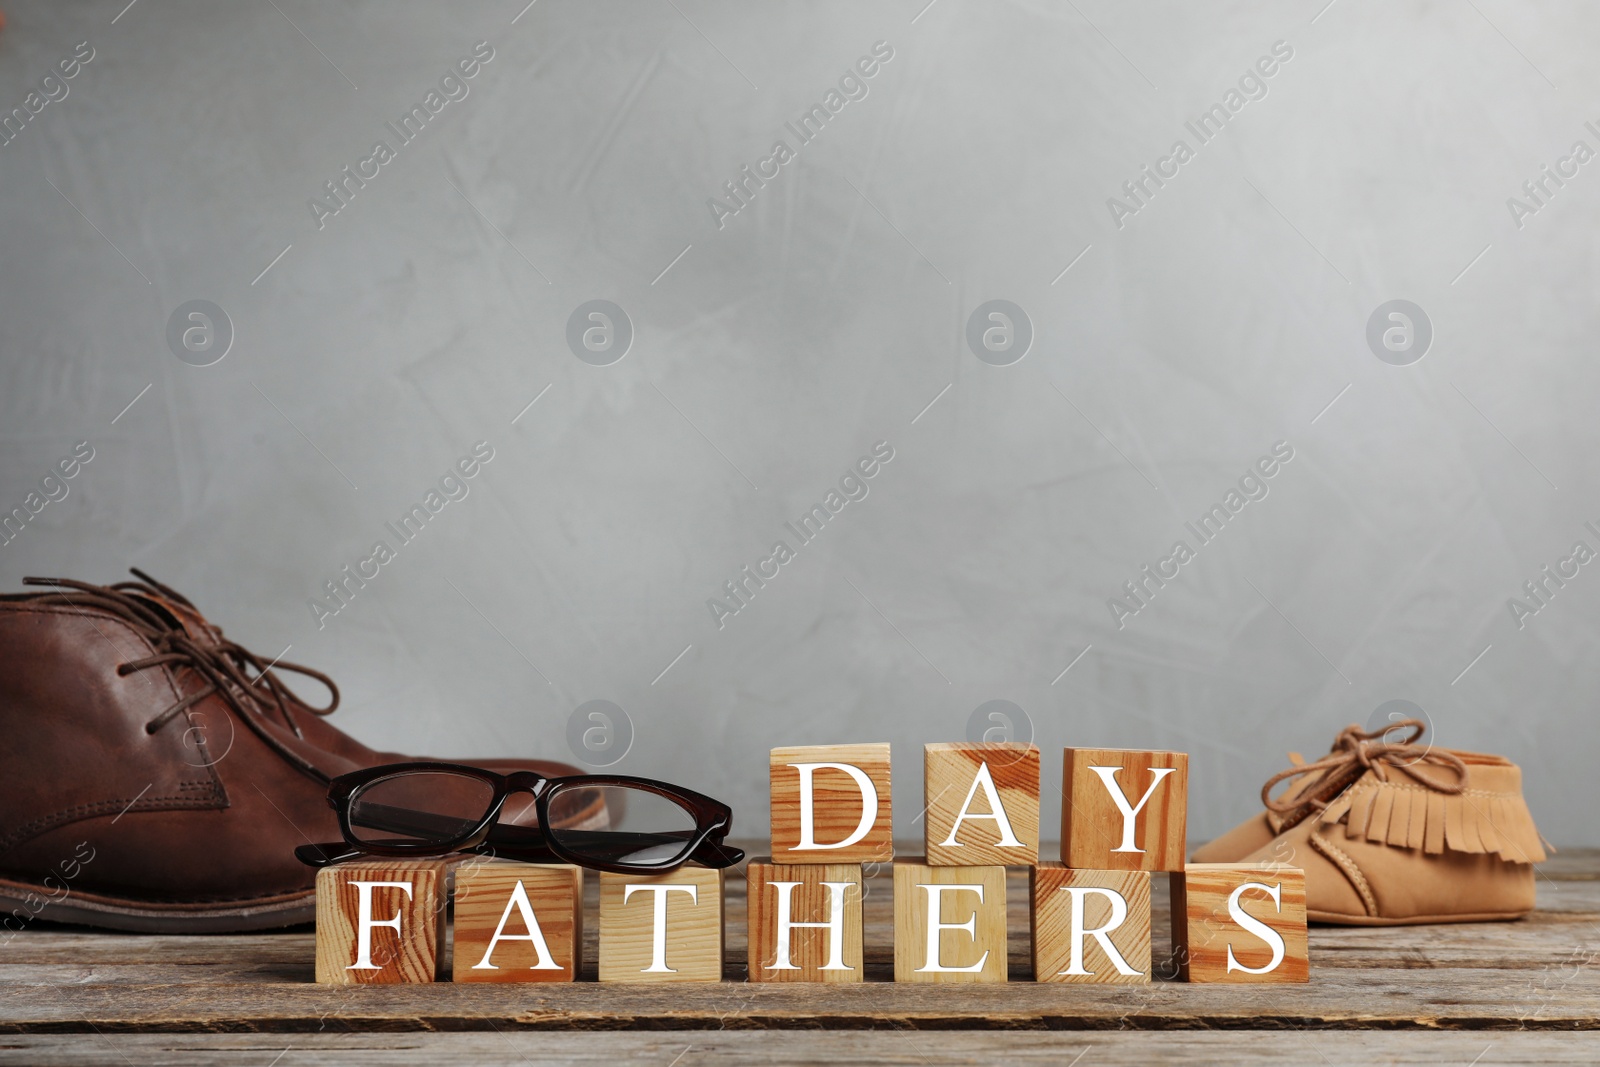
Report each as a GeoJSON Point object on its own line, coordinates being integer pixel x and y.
{"type": "Point", "coordinates": [949, 923]}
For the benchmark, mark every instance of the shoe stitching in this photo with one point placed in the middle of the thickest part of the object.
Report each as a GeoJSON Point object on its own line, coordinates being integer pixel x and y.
{"type": "Point", "coordinates": [100, 807]}
{"type": "Point", "coordinates": [216, 790]}
{"type": "Point", "coordinates": [1348, 866]}
{"type": "Point", "coordinates": [1464, 792]}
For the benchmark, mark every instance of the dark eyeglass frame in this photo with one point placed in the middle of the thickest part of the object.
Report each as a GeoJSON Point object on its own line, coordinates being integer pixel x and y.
{"type": "Point", "coordinates": [713, 819]}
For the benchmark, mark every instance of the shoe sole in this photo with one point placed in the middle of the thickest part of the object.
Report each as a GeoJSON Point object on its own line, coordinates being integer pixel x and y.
{"type": "Point", "coordinates": [91, 909]}
{"type": "Point", "coordinates": [1336, 919]}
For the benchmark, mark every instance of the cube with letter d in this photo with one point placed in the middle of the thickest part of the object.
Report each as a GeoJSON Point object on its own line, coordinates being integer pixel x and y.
{"type": "Point", "coordinates": [981, 804]}
{"type": "Point", "coordinates": [1124, 809]}
{"type": "Point", "coordinates": [830, 804]}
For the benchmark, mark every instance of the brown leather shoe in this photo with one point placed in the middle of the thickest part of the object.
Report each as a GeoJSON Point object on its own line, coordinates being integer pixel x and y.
{"type": "Point", "coordinates": [156, 776]}
{"type": "Point", "coordinates": [1392, 834]}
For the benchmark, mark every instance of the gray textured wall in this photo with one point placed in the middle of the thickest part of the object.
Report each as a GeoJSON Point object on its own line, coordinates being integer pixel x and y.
{"type": "Point", "coordinates": [1189, 336]}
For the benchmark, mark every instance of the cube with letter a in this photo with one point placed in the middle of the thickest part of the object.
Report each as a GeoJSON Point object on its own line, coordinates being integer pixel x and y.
{"type": "Point", "coordinates": [981, 804]}
{"type": "Point", "coordinates": [805, 921]}
{"type": "Point", "coordinates": [1090, 926]}
{"type": "Point", "coordinates": [518, 922]}
{"type": "Point", "coordinates": [381, 921]}
{"type": "Point", "coordinates": [661, 927]}
{"type": "Point", "coordinates": [1124, 809]}
{"type": "Point", "coordinates": [949, 923]}
{"type": "Point", "coordinates": [830, 804]}
{"type": "Point", "coordinates": [1240, 922]}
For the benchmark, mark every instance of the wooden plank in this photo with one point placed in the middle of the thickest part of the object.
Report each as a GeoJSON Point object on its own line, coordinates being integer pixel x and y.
{"type": "Point", "coordinates": [711, 1048]}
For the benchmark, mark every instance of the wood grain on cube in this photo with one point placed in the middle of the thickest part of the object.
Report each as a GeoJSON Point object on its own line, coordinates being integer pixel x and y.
{"type": "Point", "coordinates": [968, 904]}
{"type": "Point", "coordinates": [1063, 952]}
{"type": "Point", "coordinates": [838, 812]}
{"type": "Point", "coordinates": [1212, 944]}
{"type": "Point", "coordinates": [687, 946]}
{"type": "Point", "coordinates": [537, 911]}
{"type": "Point", "coordinates": [417, 899]}
{"type": "Point", "coordinates": [811, 950]}
{"type": "Point", "coordinates": [1094, 830]}
{"type": "Point", "coordinates": [961, 784]}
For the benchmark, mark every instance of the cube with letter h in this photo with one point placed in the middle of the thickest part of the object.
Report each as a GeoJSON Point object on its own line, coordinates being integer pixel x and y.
{"type": "Point", "coordinates": [830, 804]}
{"type": "Point", "coordinates": [805, 921]}
{"type": "Point", "coordinates": [381, 921]}
{"type": "Point", "coordinates": [1124, 809]}
{"type": "Point", "coordinates": [518, 922]}
{"type": "Point", "coordinates": [981, 803]}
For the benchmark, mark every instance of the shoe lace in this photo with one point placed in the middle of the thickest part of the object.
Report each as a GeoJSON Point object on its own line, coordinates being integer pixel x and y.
{"type": "Point", "coordinates": [1356, 751]}
{"type": "Point", "coordinates": [246, 682]}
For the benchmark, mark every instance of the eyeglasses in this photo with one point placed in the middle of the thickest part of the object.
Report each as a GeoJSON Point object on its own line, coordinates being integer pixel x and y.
{"type": "Point", "coordinates": [604, 822]}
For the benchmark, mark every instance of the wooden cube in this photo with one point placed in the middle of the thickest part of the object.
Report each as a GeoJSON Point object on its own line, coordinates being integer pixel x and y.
{"type": "Point", "coordinates": [1240, 922]}
{"type": "Point", "coordinates": [1124, 809]}
{"type": "Point", "coordinates": [518, 922]}
{"type": "Point", "coordinates": [661, 928]}
{"type": "Point", "coordinates": [381, 921]}
{"type": "Point", "coordinates": [1090, 926]}
{"type": "Point", "coordinates": [981, 804]}
{"type": "Point", "coordinates": [830, 804]}
{"type": "Point", "coordinates": [805, 921]}
{"type": "Point", "coordinates": [949, 923]}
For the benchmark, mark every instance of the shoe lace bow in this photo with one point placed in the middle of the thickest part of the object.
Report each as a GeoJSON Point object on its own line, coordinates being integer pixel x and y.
{"type": "Point", "coordinates": [1356, 751]}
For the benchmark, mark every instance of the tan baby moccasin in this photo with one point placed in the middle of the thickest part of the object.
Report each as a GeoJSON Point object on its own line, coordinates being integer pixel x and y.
{"type": "Point", "coordinates": [1391, 833]}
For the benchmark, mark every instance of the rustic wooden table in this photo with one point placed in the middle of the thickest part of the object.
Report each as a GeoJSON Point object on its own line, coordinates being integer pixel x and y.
{"type": "Point", "coordinates": [1494, 993]}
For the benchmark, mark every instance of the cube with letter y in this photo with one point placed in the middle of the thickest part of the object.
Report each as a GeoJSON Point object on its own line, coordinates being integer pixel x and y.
{"type": "Point", "coordinates": [1124, 809]}
{"type": "Point", "coordinates": [830, 804]}
{"type": "Point", "coordinates": [518, 922]}
{"type": "Point", "coordinates": [949, 923]}
{"type": "Point", "coordinates": [380, 921]}
{"type": "Point", "coordinates": [661, 927]}
{"type": "Point", "coordinates": [1240, 922]}
{"type": "Point", "coordinates": [981, 803]}
{"type": "Point", "coordinates": [805, 921]}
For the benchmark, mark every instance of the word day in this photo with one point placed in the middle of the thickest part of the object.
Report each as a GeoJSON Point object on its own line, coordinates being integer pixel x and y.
{"type": "Point", "coordinates": [1123, 817]}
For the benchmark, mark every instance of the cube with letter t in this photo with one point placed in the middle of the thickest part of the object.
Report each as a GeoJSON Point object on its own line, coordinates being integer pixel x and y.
{"type": "Point", "coordinates": [830, 804]}
{"type": "Point", "coordinates": [662, 927]}
{"type": "Point", "coordinates": [1124, 809]}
